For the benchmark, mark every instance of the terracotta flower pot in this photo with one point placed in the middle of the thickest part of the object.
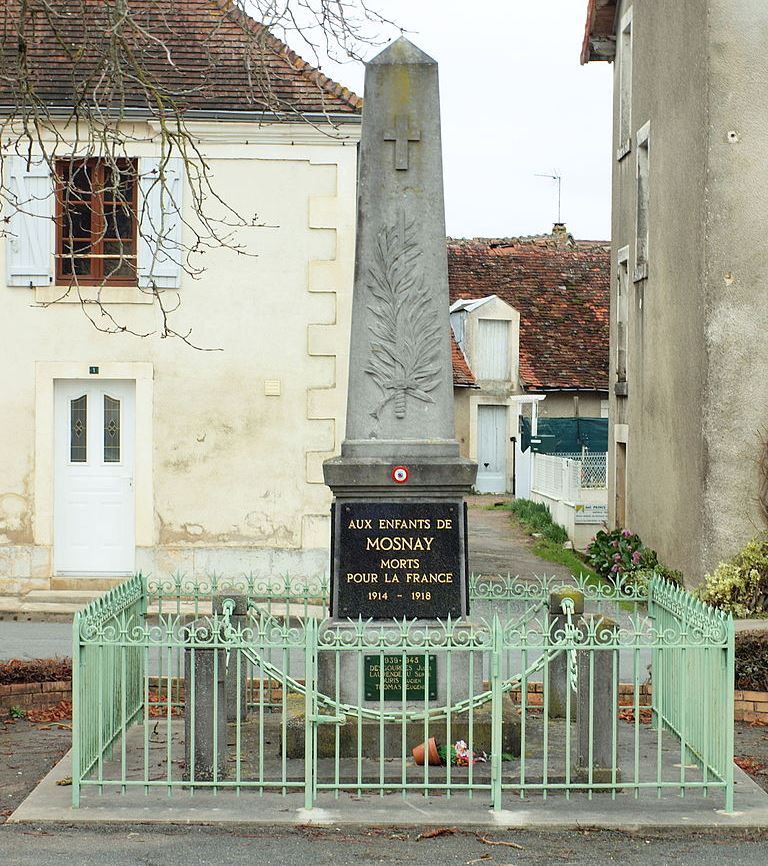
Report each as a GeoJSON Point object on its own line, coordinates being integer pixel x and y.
{"type": "Point", "coordinates": [433, 756]}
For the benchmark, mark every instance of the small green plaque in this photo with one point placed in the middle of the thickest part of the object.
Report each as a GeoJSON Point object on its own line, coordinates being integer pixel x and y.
{"type": "Point", "coordinates": [415, 668]}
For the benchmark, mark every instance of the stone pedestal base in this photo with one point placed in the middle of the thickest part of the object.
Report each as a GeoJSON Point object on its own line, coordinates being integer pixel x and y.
{"type": "Point", "coordinates": [466, 666]}
{"type": "Point", "coordinates": [399, 740]}
{"type": "Point", "coordinates": [210, 714]}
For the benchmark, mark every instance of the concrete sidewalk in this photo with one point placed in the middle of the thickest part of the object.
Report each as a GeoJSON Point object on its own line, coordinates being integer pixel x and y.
{"type": "Point", "coordinates": [50, 803]}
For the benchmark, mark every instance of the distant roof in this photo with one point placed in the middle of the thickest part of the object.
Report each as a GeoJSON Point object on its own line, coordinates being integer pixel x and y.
{"type": "Point", "coordinates": [600, 31]}
{"type": "Point", "coordinates": [462, 375]}
{"type": "Point", "coordinates": [204, 54]}
{"type": "Point", "coordinates": [560, 287]}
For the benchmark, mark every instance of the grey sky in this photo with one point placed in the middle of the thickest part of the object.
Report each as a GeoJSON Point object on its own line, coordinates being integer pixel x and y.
{"type": "Point", "coordinates": [515, 102]}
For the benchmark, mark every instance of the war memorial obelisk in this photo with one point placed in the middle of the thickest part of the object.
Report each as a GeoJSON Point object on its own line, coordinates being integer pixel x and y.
{"type": "Point", "coordinates": [399, 526]}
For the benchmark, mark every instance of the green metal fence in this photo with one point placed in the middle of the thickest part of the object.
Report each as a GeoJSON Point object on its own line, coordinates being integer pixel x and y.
{"type": "Point", "coordinates": [246, 685]}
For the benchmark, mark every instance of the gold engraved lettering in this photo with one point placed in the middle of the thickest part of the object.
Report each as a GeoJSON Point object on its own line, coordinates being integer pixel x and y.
{"type": "Point", "coordinates": [362, 577]}
{"type": "Point", "coordinates": [399, 542]}
{"type": "Point", "coordinates": [359, 523]}
{"type": "Point", "coordinates": [431, 577]}
{"type": "Point", "coordinates": [402, 523]}
{"type": "Point", "coordinates": [400, 563]}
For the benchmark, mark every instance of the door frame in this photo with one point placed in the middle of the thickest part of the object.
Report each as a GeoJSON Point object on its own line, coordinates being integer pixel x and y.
{"type": "Point", "coordinates": [488, 401]}
{"type": "Point", "coordinates": [46, 373]}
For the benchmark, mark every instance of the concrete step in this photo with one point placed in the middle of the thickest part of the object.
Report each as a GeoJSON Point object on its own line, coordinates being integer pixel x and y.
{"type": "Point", "coordinates": [91, 583]}
{"type": "Point", "coordinates": [79, 598]}
{"type": "Point", "coordinates": [14, 607]}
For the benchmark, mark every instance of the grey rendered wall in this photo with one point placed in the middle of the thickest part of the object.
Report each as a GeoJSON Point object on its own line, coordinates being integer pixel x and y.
{"type": "Point", "coordinates": [666, 355]}
{"type": "Point", "coordinates": [562, 405]}
{"type": "Point", "coordinates": [736, 277]}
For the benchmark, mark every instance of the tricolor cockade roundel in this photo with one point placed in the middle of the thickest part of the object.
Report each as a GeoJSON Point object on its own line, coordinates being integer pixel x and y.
{"type": "Point", "coordinates": [400, 474]}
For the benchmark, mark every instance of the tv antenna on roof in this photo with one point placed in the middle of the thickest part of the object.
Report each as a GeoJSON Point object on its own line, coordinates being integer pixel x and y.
{"type": "Point", "coordinates": [559, 181]}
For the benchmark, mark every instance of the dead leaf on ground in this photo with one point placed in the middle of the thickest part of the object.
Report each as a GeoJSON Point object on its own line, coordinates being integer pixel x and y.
{"type": "Point", "coordinates": [67, 780]}
{"type": "Point", "coordinates": [749, 765]}
{"type": "Point", "coordinates": [56, 713]}
{"type": "Point", "coordinates": [486, 841]}
{"type": "Point", "coordinates": [437, 831]}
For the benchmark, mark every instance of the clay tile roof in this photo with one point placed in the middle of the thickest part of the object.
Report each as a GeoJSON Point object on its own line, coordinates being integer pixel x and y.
{"type": "Point", "coordinates": [462, 374]}
{"type": "Point", "coordinates": [599, 33]}
{"type": "Point", "coordinates": [203, 54]}
{"type": "Point", "coordinates": [560, 287]}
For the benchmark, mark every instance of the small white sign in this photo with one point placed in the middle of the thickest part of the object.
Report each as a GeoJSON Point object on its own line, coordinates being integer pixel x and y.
{"type": "Point", "coordinates": [591, 514]}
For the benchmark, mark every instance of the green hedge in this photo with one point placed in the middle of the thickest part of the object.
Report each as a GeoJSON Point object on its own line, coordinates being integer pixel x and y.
{"type": "Point", "coordinates": [752, 661]}
{"type": "Point", "coordinates": [538, 518]}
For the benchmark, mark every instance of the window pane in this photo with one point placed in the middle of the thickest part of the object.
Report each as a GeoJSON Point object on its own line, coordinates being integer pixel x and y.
{"type": "Point", "coordinates": [77, 181]}
{"type": "Point", "coordinates": [118, 221]}
{"type": "Point", "coordinates": [119, 268]}
{"type": "Point", "coordinates": [118, 188]}
{"type": "Point", "coordinates": [78, 430]}
{"type": "Point", "coordinates": [77, 220]}
{"type": "Point", "coordinates": [76, 258]}
{"type": "Point", "coordinates": [111, 430]}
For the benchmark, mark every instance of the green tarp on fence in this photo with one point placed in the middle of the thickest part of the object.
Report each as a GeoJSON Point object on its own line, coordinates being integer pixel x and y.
{"type": "Point", "coordinates": [566, 435]}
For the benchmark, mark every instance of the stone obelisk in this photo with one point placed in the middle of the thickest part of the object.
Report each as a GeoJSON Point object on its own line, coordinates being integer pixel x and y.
{"type": "Point", "coordinates": [399, 526]}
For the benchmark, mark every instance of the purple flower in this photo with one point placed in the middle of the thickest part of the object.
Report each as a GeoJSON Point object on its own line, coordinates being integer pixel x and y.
{"type": "Point", "coordinates": [615, 543]}
{"type": "Point", "coordinates": [636, 557]}
{"type": "Point", "coordinates": [626, 533]}
{"type": "Point", "coordinates": [615, 568]}
{"type": "Point", "coordinates": [616, 557]}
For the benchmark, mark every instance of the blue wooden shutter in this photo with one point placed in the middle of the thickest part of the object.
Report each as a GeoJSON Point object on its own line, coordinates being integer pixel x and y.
{"type": "Point", "coordinates": [160, 208]}
{"type": "Point", "coordinates": [30, 230]}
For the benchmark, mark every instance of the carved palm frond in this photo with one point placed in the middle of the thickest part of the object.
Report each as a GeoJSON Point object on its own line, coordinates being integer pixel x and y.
{"type": "Point", "coordinates": [403, 323]}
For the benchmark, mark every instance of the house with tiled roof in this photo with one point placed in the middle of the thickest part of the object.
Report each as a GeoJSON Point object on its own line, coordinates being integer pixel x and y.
{"type": "Point", "coordinates": [689, 406]}
{"type": "Point", "coordinates": [140, 453]}
{"type": "Point", "coordinates": [531, 318]}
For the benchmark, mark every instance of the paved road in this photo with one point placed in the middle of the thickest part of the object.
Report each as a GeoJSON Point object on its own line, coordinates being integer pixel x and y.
{"type": "Point", "coordinates": [35, 640]}
{"type": "Point", "coordinates": [498, 546]}
{"type": "Point", "coordinates": [193, 846]}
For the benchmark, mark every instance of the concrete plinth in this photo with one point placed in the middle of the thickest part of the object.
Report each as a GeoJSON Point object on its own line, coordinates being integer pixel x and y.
{"type": "Point", "coordinates": [207, 704]}
{"type": "Point", "coordinates": [596, 698]}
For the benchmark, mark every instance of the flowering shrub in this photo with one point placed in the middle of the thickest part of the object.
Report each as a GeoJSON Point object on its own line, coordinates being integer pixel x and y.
{"type": "Point", "coordinates": [740, 585]}
{"type": "Point", "coordinates": [619, 553]}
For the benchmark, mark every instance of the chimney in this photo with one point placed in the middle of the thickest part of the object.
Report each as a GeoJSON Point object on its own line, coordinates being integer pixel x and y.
{"type": "Point", "coordinates": [560, 235]}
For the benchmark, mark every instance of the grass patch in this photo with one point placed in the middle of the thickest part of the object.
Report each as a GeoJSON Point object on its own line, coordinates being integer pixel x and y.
{"type": "Point", "coordinates": [571, 559]}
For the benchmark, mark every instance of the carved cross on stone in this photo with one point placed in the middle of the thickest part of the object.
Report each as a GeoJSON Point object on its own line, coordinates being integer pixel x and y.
{"type": "Point", "coordinates": [401, 135]}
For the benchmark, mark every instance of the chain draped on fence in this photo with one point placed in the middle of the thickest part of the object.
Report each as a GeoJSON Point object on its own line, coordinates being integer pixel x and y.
{"type": "Point", "coordinates": [284, 700]}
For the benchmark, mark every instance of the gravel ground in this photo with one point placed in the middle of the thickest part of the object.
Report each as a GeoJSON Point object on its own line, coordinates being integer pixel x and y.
{"type": "Point", "coordinates": [27, 753]}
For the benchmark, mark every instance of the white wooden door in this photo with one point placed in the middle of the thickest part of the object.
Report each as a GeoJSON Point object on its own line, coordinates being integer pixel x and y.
{"type": "Point", "coordinates": [93, 515]}
{"type": "Point", "coordinates": [491, 449]}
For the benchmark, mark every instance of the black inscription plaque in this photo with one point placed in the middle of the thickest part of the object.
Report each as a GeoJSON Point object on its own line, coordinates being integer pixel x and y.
{"type": "Point", "coordinates": [415, 668]}
{"type": "Point", "coordinates": [398, 559]}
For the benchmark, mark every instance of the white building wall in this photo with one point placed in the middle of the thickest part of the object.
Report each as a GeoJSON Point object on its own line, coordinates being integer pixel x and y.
{"type": "Point", "coordinates": [229, 478]}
